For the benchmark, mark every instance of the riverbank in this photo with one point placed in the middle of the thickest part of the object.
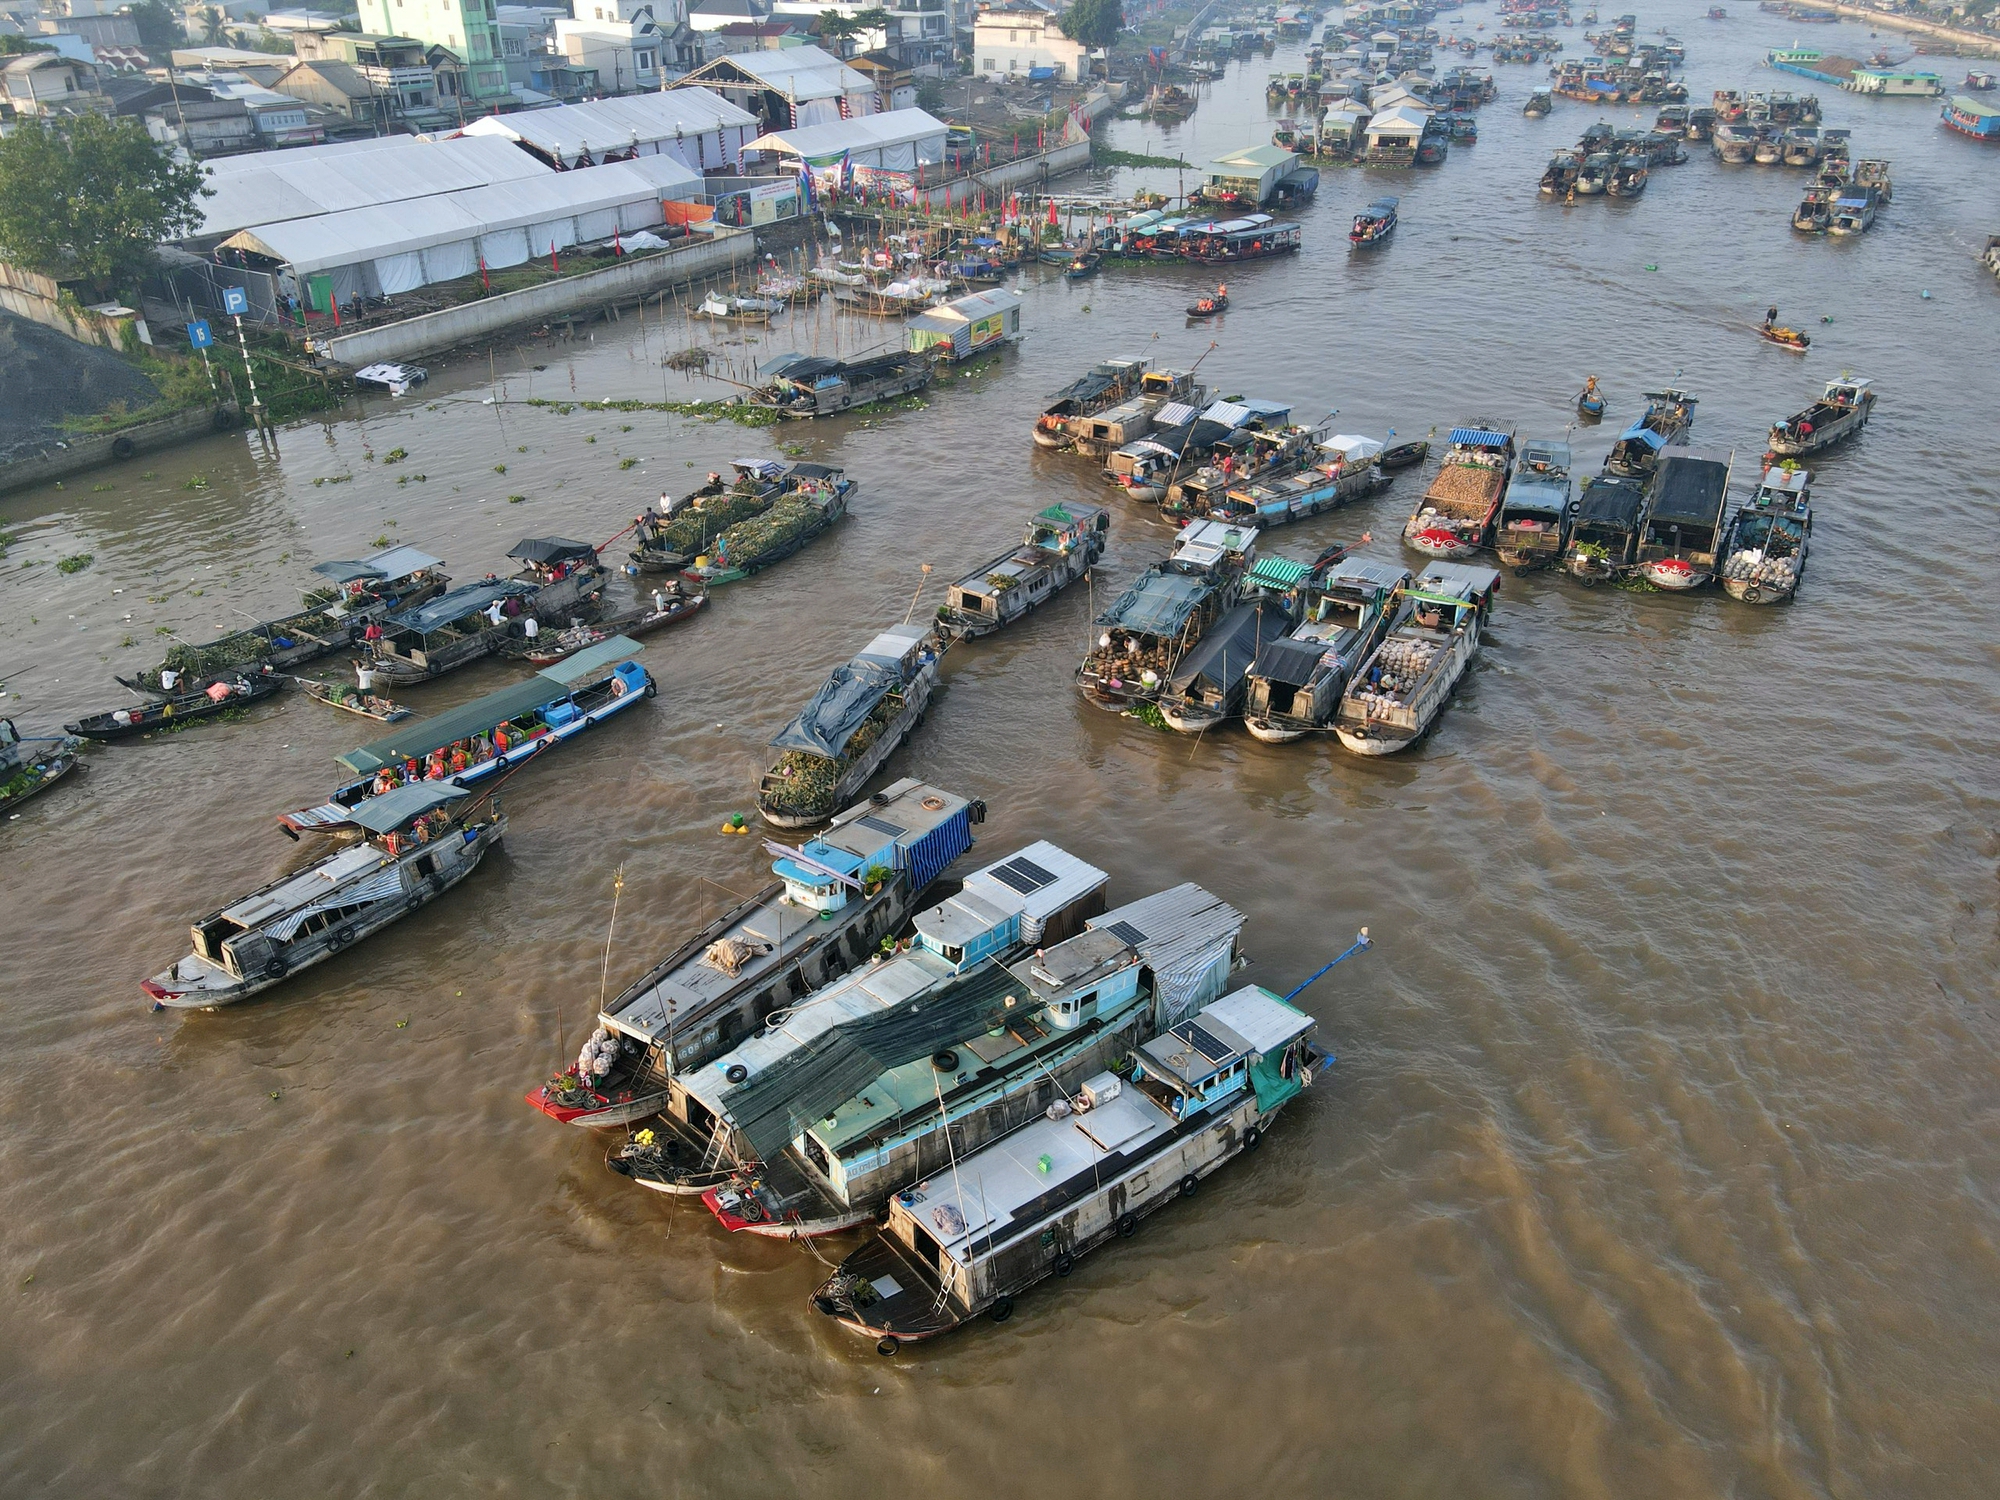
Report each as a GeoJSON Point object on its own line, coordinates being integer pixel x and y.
{"type": "Point", "coordinates": [1981, 44]}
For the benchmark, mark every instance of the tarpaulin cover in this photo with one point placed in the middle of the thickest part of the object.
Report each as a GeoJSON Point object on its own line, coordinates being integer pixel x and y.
{"type": "Point", "coordinates": [1158, 604]}
{"type": "Point", "coordinates": [1223, 655]}
{"type": "Point", "coordinates": [1689, 491]}
{"type": "Point", "coordinates": [1611, 501]}
{"type": "Point", "coordinates": [391, 810]}
{"type": "Point", "coordinates": [806, 1085]}
{"type": "Point", "coordinates": [550, 549]}
{"type": "Point", "coordinates": [1639, 432]}
{"type": "Point", "coordinates": [395, 562]}
{"type": "Point", "coordinates": [843, 703]}
{"type": "Point", "coordinates": [1288, 661]}
{"type": "Point", "coordinates": [1269, 1083]}
{"type": "Point", "coordinates": [459, 603]}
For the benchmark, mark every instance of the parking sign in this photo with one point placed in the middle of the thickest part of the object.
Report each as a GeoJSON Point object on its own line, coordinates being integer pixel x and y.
{"type": "Point", "coordinates": [199, 335]}
{"type": "Point", "coordinates": [234, 300]}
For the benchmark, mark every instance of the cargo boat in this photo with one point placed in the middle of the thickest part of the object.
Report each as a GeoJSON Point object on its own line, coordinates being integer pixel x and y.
{"type": "Point", "coordinates": [859, 717]}
{"type": "Point", "coordinates": [1163, 396]}
{"type": "Point", "coordinates": [1669, 415]}
{"type": "Point", "coordinates": [1535, 516]}
{"type": "Point", "coordinates": [1297, 682]}
{"type": "Point", "coordinates": [672, 536]}
{"type": "Point", "coordinates": [813, 498]}
{"type": "Point", "coordinates": [836, 898]}
{"type": "Point", "coordinates": [1061, 543]}
{"type": "Point", "coordinates": [27, 773]}
{"type": "Point", "coordinates": [1104, 386]}
{"type": "Point", "coordinates": [1680, 543]}
{"type": "Point", "coordinates": [1154, 623]}
{"type": "Point", "coordinates": [1455, 517]}
{"type": "Point", "coordinates": [1841, 411]}
{"type": "Point", "coordinates": [1605, 534]}
{"type": "Point", "coordinates": [1337, 471]}
{"type": "Point", "coordinates": [811, 385]}
{"type": "Point", "coordinates": [1764, 554]}
{"type": "Point", "coordinates": [1401, 690]}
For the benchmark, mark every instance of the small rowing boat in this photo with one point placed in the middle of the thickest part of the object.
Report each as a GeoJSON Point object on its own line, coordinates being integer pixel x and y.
{"type": "Point", "coordinates": [1403, 455]}
{"type": "Point", "coordinates": [170, 713]}
{"type": "Point", "coordinates": [352, 700]}
{"type": "Point", "coordinates": [25, 773]}
{"type": "Point", "coordinates": [1207, 307]}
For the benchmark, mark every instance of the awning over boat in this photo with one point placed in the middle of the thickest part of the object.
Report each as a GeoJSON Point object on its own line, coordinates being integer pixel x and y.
{"type": "Point", "coordinates": [1639, 432]}
{"type": "Point", "coordinates": [1158, 604]}
{"type": "Point", "coordinates": [1478, 437]}
{"type": "Point", "coordinates": [796, 366]}
{"type": "Point", "coordinates": [391, 810]}
{"type": "Point", "coordinates": [592, 662]}
{"type": "Point", "coordinates": [1611, 501]}
{"type": "Point", "coordinates": [1689, 490]}
{"type": "Point", "coordinates": [470, 599]}
{"type": "Point", "coordinates": [841, 706]}
{"type": "Point", "coordinates": [550, 549]}
{"type": "Point", "coordinates": [1288, 661]}
{"type": "Point", "coordinates": [396, 562]}
{"type": "Point", "coordinates": [1223, 655]}
{"type": "Point", "coordinates": [1351, 447]}
{"type": "Point", "coordinates": [809, 1083]}
{"type": "Point", "coordinates": [416, 740]}
{"type": "Point", "coordinates": [1276, 573]}
{"type": "Point", "coordinates": [1173, 414]}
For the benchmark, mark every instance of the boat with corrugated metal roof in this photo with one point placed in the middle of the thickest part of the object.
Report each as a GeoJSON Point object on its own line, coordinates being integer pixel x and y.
{"type": "Point", "coordinates": [1401, 690]}
{"type": "Point", "coordinates": [1162, 396]}
{"type": "Point", "coordinates": [1100, 387]}
{"type": "Point", "coordinates": [1764, 553]}
{"type": "Point", "coordinates": [488, 736]}
{"type": "Point", "coordinates": [1187, 444]}
{"type": "Point", "coordinates": [859, 717]}
{"type": "Point", "coordinates": [834, 901]}
{"type": "Point", "coordinates": [1061, 543]}
{"type": "Point", "coordinates": [417, 845]}
{"type": "Point", "coordinates": [1154, 623]}
{"type": "Point", "coordinates": [1455, 517]}
{"type": "Point", "coordinates": [1680, 543]}
{"type": "Point", "coordinates": [822, 1147]}
{"type": "Point", "coordinates": [1297, 681]}
{"type": "Point", "coordinates": [1036, 897]}
{"type": "Point", "coordinates": [1842, 410]}
{"type": "Point", "coordinates": [1336, 471]}
{"type": "Point", "coordinates": [1534, 516]}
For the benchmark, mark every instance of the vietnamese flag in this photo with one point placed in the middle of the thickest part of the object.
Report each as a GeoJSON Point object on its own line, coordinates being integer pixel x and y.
{"type": "Point", "coordinates": [1052, 213]}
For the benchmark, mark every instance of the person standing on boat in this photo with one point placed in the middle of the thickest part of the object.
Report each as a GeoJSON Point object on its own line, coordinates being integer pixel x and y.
{"type": "Point", "coordinates": [1771, 320]}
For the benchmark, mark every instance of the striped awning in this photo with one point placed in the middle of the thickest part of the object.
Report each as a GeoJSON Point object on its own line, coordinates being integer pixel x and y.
{"type": "Point", "coordinates": [1278, 572]}
{"type": "Point", "coordinates": [382, 884]}
{"type": "Point", "coordinates": [1478, 437]}
{"type": "Point", "coordinates": [1173, 414]}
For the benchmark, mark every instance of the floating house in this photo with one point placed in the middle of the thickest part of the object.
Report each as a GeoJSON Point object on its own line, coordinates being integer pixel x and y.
{"type": "Point", "coordinates": [966, 326]}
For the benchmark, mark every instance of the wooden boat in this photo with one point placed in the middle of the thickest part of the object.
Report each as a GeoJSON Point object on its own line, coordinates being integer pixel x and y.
{"type": "Point", "coordinates": [1103, 386]}
{"type": "Point", "coordinates": [1208, 683]}
{"type": "Point", "coordinates": [1154, 623]}
{"type": "Point", "coordinates": [223, 697]}
{"type": "Point", "coordinates": [1296, 683]}
{"type": "Point", "coordinates": [26, 773]}
{"type": "Point", "coordinates": [1604, 536]}
{"type": "Point", "coordinates": [979, 1055]}
{"type": "Point", "coordinates": [859, 717]}
{"type": "Point", "coordinates": [1814, 215]}
{"type": "Point", "coordinates": [1764, 554]}
{"type": "Point", "coordinates": [1628, 178]}
{"type": "Point", "coordinates": [1083, 266]}
{"type": "Point", "coordinates": [969, 1241]}
{"type": "Point", "coordinates": [559, 579]}
{"type": "Point", "coordinates": [1590, 401]}
{"type": "Point", "coordinates": [807, 928]}
{"type": "Point", "coordinates": [811, 385]}
{"type": "Point", "coordinates": [1209, 304]}
{"type": "Point", "coordinates": [1326, 474]}
{"type": "Point", "coordinates": [417, 846]}
{"type": "Point", "coordinates": [1561, 173]}
{"type": "Point", "coordinates": [1374, 224]}
{"type": "Point", "coordinates": [1681, 540]}
{"type": "Point", "coordinates": [1841, 411]}
{"type": "Point", "coordinates": [1785, 338]}
{"type": "Point", "coordinates": [1061, 543]}
{"type": "Point", "coordinates": [1854, 210]}
{"type": "Point", "coordinates": [671, 606]}
{"type": "Point", "coordinates": [1539, 104]}
{"type": "Point", "coordinates": [674, 535]}
{"type": "Point", "coordinates": [1669, 414]}
{"type": "Point", "coordinates": [1533, 528]}
{"type": "Point", "coordinates": [1594, 176]}
{"type": "Point", "coordinates": [1400, 691]}
{"type": "Point", "coordinates": [352, 700]}
{"type": "Point", "coordinates": [1405, 455]}
{"type": "Point", "coordinates": [488, 736]}
{"type": "Point", "coordinates": [1252, 237]}
{"type": "Point", "coordinates": [1168, 398]}
{"type": "Point", "coordinates": [728, 309]}
{"type": "Point", "coordinates": [813, 498]}
{"type": "Point", "coordinates": [1456, 514]}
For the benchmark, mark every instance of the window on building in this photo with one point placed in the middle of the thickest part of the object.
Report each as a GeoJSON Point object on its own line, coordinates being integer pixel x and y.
{"type": "Point", "coordinates": [644, 60]}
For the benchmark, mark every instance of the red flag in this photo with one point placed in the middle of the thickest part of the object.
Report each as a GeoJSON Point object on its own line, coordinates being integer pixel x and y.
{"type": "Point", "coordinates": [617, 242]}
{"type": "Point", "coordinates": [484, 279]}
{"type": "Point", "coordinates": [335, 300]}
{"type": "Point", "coordinates": [552, 257]}
{"type": "Point", "coordinates": [1052, 213]}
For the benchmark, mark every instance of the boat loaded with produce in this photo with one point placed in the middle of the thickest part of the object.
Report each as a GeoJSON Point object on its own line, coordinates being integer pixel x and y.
{"type": "Point", "coordinates": [1669, 415]}
{"type": "Point", "coordinates": [483, 738]}
{"type": "Point", "coordinates": [1455, 517]}
{"type": "Point", "coordinates": [1764, 553]}
{"type": "Point", "coordinates": [1154, 623]}
{"type": "Point", "coordinates": [226, 694]}
{"type": "Point", "coordinates": [837, 898]}
{"type": "Point", "coordinates": [1400, 691]}
{"type": "Point", "coordinates": [1061, 543]}
{"type": "Point", "coordinates": [1604, 538]}
{"type": "Point", "coordinates": [813, 385]}
{"type": "Point", "coordinates": [1841, 412]}
{"type": "Point", "coordinates": [559, 580]}
{"type": "Point", "coordinates": [859, 717]}
{"type": "Point", "coordinates": [813, 497]}
{"type": "Point", "coordinates": [31, 766]}
{"type": "Point", "coordinates": [416, 846]}
{"type": "Point", "coordinates": [1297, 682]}
{"type": "Point", "coordinates": [668, 539]}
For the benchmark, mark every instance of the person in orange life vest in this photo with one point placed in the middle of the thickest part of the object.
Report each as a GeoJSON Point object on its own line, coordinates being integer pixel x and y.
{"type": "Point", "coordinates": [500, 739]}
{"type": "Point", "coordinates": [412, 771]}
{"type": "Point", "coordinates": [459, 759]}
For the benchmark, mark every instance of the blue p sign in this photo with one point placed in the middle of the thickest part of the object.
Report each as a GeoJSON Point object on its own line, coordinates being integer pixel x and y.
{"type": "Point", "coordinates": [199, 335]}
{"type": "Point", "coordinates": [234, 300]}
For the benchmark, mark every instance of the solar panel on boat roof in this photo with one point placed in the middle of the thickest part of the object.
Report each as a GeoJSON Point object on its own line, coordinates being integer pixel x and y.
{"type": "Point", "coordinates": [1208, 1045]}
{"type": "Point", "coordinates": [1023, 875]}
{"type": "Point", "coordinates": [1126, 933]}
{"type": "Point", "coordinates": [882, 825]}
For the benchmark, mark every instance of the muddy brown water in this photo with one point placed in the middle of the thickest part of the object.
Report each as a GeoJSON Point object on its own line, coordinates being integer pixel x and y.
{"type": "Point", "coordinates": [1659, 1159]}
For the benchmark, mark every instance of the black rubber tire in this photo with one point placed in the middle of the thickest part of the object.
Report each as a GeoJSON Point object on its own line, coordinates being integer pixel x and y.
{"type": "Point", "coordinates": [1002, 1309]}
{"type": "Point", "coordinates": [1586, 580]}
{"type": "Point", "coordinates": [1252, 1138]}
{"type": "Point", "coordinates": [945, 1061]}
{"type": "Point", "coordinates": [123, 448]}
{"type": "Point", "coordinates": [275, 969]}
{"type": "Point", "coordinates": [887, 1345]}
{"type": "Point", "coordinates": [1064, 1264]}
{"type": "Point", "coordinates": [652, 688]}
{"type": "Point", "coordinates": [1190, 1185]}
{"type": "Point", "coordinates": [823, 1303]}
{"type": "Point", "coordinates": [224, 420]}
{"type": "Point", "coordinates": [343, 934]}
{"type": "Point", "coordinates": [1753, 595]}
{"type": "Point", "coordinates": [1128, 1225]}
{"type": "Point", "coordinates": [736, 1073]}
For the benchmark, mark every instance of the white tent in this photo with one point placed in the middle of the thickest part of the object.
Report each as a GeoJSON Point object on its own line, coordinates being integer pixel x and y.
{"type": "Point", "coordinates": [897, 140]}
{"type": "Point", "coordinates": [817, 86]}
{"type": "Point", "coordinates": [700, 129]}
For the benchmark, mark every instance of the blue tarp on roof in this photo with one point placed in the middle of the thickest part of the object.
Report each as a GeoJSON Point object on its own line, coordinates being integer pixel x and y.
{"type": "Point", "coordinates": [1640, 432]}
{"type": "Point", "coordinates": [1478, 437]}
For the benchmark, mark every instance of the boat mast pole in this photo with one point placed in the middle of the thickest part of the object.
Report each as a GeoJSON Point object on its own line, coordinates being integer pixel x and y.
{"type": "Point", "coordinates": [1361, 944]}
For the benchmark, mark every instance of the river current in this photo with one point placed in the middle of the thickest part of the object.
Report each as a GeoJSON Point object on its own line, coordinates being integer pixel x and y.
{"type": "Point", "coordinates": [1660, 1155]}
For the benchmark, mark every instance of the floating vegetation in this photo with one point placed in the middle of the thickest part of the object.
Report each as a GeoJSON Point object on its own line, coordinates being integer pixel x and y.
{"type": "Point", "coordinates": [196, 483]}
{"type": "Point", "coordinates": [517, 499]}
{"type": "Point", "coordinates": [332, 479]}
{"type": "Point", "coordinates": [740, 412]}
{"type": "Point", "coordinates": [1104, 156]}
{"type": "Point", "coordinates": [76, 562]}
{"type": "Point", "coordinates": [1148, 714]}
{"type": "Point", "coordinates": [395, 455]}
{"type": "Point", "coordinates": [627, 463]}
{"type": "Point", "coordinates": [687, 359]}
{"type": "Point", "coordinates": [499, 468]}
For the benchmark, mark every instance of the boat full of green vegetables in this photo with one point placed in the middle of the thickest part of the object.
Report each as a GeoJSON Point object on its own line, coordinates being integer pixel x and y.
{"type": "Point", "coordinates": [814, 497]}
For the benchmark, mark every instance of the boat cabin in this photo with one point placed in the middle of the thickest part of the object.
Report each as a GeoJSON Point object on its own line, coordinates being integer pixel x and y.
{"type": "Point", "coordinates": [1534, 516]}
{"type": "Point", "coordinates": [1684, 514]}
{"type": "Point", "coordinates": [564, 573]}
{"type": "Point", "coordinates": [368, 587]}
{"type": "Point", "coordinates": [1248, 177]}
{"type": "Point", "coordinates": [452, 629]}
{"type": "Point", "coordinates": [966, 325]}
{"type": "Point", "coordinates": [1605, 535]}
{"type": "Point", "coordinates": [1297, 681]}
{"type": "Point", "coordinates": [1058, 536]}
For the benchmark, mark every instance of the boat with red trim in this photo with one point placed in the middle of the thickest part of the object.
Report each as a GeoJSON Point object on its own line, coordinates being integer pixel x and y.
{"type": "Point", "coordinates": [1456, 515]}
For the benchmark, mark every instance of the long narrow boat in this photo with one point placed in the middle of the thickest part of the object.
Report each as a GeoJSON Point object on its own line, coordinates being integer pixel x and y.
{"type": "Point", "coordinates": [483, 738]}
{"type": "Point", "coordinates": [1839, 414]}
{"type": "Point", "coordinates": [221, 697]}
{"type": "Point", "coordinates": [27, 773]}
{"type": "Point", "coordinates": [1103, 386]}
{"type": "Point", "coordinates": [1764, 554]}
{"type": "Point", "coordinates": [1297, 682]}
{"type": "Point", "coordinates": [416, 848]}
{"type": "Point", "coordinates": [859, 717]}
{"type": "Point", "coordinates": [352, 700]}
{"type": "Point", "coordinates": [969, 1241]}
{"type": "Point", "coordinates": [1154, 623]}
{"type": "Point", "coordinates": [668, 538]}
{"type": "Point", "coordinates": [835, 900]}
{"type": "Point", "coordinates": [1402, 689]}
{"type": "Point", "coordinates": [813, 498]}
{"type": "Point", "coordinates": [1061, 543]}
{"type": "Point", "coordinates": [1681, 542]}
{"type": "Point", "coordinates": [1456, 515]}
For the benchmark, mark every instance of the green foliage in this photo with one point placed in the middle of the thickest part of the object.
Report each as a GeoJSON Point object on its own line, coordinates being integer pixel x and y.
{"type": "Point", "coordinates": [1095, 23]}
{"type": "Point", "coordinates": [92, 199]}
{"type": "Point", "coordinates": [76, 562]}
{"type": "Point", "coordinates": [213, 26]}
{"type": "Point", "coordinates": [158, 26]}
{"type": "Point", "coordinates": [15, 46]}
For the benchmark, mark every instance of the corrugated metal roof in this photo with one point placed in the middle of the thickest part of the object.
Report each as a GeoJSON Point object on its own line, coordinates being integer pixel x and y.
{"type": "Point", "coordinates": [1173, 414]}
{"type": "Point", "coordinates": [1261, 1018]}
{"type": "Point", "coordinates": [1478, 437]}
{"type": "Point", "coordinates": [391, 810]}
{"type": "Point", "coordinates": [1017, 882]}
{"type": "Point", "coordinates": [1277, 572]}
{"type": "Point", "coordinates": [1170, 924]}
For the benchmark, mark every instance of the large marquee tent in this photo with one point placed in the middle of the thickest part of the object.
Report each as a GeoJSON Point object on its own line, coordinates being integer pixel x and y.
{"type": "Point", "coordinates": [896, 141]}
{"type": "Point", "coordinates": [699, 129]}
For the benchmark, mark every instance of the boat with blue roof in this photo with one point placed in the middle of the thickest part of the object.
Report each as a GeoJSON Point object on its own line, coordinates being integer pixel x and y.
{"type": "Point", "coordinates": [1297, 681]}
{"type": "Point", "coordinates": [1061, 543]}
{"type": "Point", "coordinates": [1399, 693]}
{"type": "Point", "coordinates": [1669, 414]}
{"type": "Point", "coordinates": [1455, 517]}
{"type": "Point", "coordinates": [1535, 515]}
{"type": "Point", "coordinates": [1164, 614]}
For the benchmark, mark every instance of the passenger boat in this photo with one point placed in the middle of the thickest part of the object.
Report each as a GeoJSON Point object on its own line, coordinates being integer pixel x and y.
{"type": "Point", "coordinates": [1604, 536]}
{"type": "Point", "coordinates": [1104, 386]}
{"type": "Point", "coordinates": [671, 537]}
{"type": "Point", "coordinates": [1061, 543]}
{"type": "Point", "coordinates": [223, 696]}
{"type": "Point", "coordinates": [1681, 540]}
{"type": "Point", "coordinates": [1594, 176]}
{"type": "Point", "coordinates": [1561, 174]}
{"type": "Point", "coordinates": [1400, 691]}
{"type": "Point", "coordinates": [352, 700]}
{"type": "Point", "coordinates": [980, 1056]}
{"type": "Point", "coordinates": [1252, 237]}
{"type": "Point", "coordinates": [25, 773]}
{"type": "Point", "coordinates": [1764, 555]}
{"type": "Point", "coordinates": [416, 847]}
{"type": "Point", "coordinates": [970, 1240]}
{"type": "Point", "coordinates": [815, 922]}
{"type": "Point", "coordinates": [811, 385]}
{"type": "Point", "coordinates": [1210, 303]}
{"type": "Point", "coordinates": [1628, 178]}
{"type": "Point", "coordinates": [859, 717]}
{"type": "Point", "coordinates": [1841, 411]}
{"type": "Point", "coordinates": [1669, 415]}
{"type": "Point", "coordinates": [1978, 81]}
{"type": "Point", "coordinates": [1973, 117]}
{"type": "Point", "coordinates": [813, 497]}
{"type": "Point", "coordinates": [1297, 682]}
{"type": "Point", "coordinates": [1534, 518]}
{"type": "Point", "coordinates": [484, 738]}
{"type": "Point", "coordinates": [1154, 623]}
{"type": "Point", "coordinates": [1854, 210]}
{"type": "Point", "coordinates": [560, 579]}
{"type": "Point", "coordinates": [1373, 224]}
{"type": "Point", "coordinates": [1455, 517]}
{"type": "Point", "coordinates": [1540, 102]}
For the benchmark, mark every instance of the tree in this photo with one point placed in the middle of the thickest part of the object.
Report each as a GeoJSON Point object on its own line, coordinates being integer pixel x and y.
{"type": "Point", "coordinates": [159, 28]}
{"type": "Point", "coordinates": [11, 45]}
{"type": "Point", "coordinates": [92, 200]}
{"type": "Point", "coordinates": [1095, 23]}
{"type": "Point", "coordinates": [837, 28]}
{"type": "Point", "coordinates": [212, 26]}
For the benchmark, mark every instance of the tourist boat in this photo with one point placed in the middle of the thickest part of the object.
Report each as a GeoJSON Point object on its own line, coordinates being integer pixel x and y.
{"type": "Point", "coordinates": [1210, 303]}
{"type": "Point", "coordinates": [1854, 210]}
{"type": "Point", "coordinates": [813, 497]}
{"type": "Point", "coordinates": [26, 773]}
{"type": "Point", "coordinates": [1373, 224]}
{"type": "Point", "coordinates": [488, 736]}
{"type": "Point", "coordinates": [729, 309]}
{"type": "Point", "coordinates": [980, 1056]}
{"type": "Point", "coordinates": [1604, 535]}
{"type": "Point", "coordinates": [1104, 386]}
{"type": "Point", "coordinates": [1154, 623]}
{"type": "Point", "coordinates": [1681, 539]}
{"type": "Point", "coordinates": [1561, 174]}
{"type": "Point", "coordinates": [1400, 691]}
{"type": "Point", "coordinates": [812, 385]}
{"type": "Point", "coordinates": [1628, 178]}
{"type": "Point", "coordinates": [1815, 211]}
{"type": "Point", "coordinates": [1540, 102]}
{"type": "Point", "coordinates": [1083, 266]}
{"type": "Point", "coordinates": [352, 700]}
{"type": "Point", "coordinates": [416, 847]}
{"type": "Point", "coordinates": [1669, 415]}
{"type": "Point", "coordinates": [225, 695]}
{"type": "Point", "coordinates": [1061, 543]}
{"type": "Point", "coordinates": [355, 594]}
{"type": "Point", "coordinates": [1297, 682]}
{"type": "Point", "coordinates": [970, 1240]}
{"type": "Point", "coordinates": [813, 924]}
{"type": "Point", "coordinates": [1842, 410]}
{"type": "Point", "coordinates": [1252, 237]}
{"type": "Point", "coordinates": [672, 605]}
{"type": "Point", "coordinates": [1973, 117]}
{"type": "Point", "coordinates": [1594, 176]}
{"type": "Point", "coordinates": [1534, 518]}
{"type": "Point", "coordinates": [859, 717]}
{"type": "Point", "coordinates": [1764, 555]}
{"type": "Point", "coordinates": [560, 579]}
{"type": "Point", "coordinates": [1455, 517]}
{"type": "Point", "coordinates": [1873, 172]}
{"type": "Point", "coordinates": [673, 536]}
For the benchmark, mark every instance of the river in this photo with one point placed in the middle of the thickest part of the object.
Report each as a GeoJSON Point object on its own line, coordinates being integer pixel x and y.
{"type": "Point", "coordinates": [1660, 1156]}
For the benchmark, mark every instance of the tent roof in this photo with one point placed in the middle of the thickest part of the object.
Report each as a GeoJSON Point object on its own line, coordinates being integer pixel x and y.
{"type": "Point", "coordinates": [614, 124]}
{"type": "Point", "coordinates": [796, 72]}
{"type": "Point", "coordinates": [391, 810]}
{"type": "Point", "coordinates": [897, 127]}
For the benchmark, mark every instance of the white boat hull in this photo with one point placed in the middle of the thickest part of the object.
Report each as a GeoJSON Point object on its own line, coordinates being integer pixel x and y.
{"type": "Point", "coordinates": [1270, 733]}
{"type": "Point", "coordinates": [1673, 575]}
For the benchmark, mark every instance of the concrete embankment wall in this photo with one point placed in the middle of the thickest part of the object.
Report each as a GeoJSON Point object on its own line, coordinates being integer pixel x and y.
{"type": "Point", "coordinates": [1984, 46]}
{"type": "Point", "coordinates": [78, 454]}
{"type": "Point", "coordinates": [1039, 168]}
{"type": "Point", "coordinates": [471, 321]}
{"type": "Point", "coordinates": [31, 295]}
